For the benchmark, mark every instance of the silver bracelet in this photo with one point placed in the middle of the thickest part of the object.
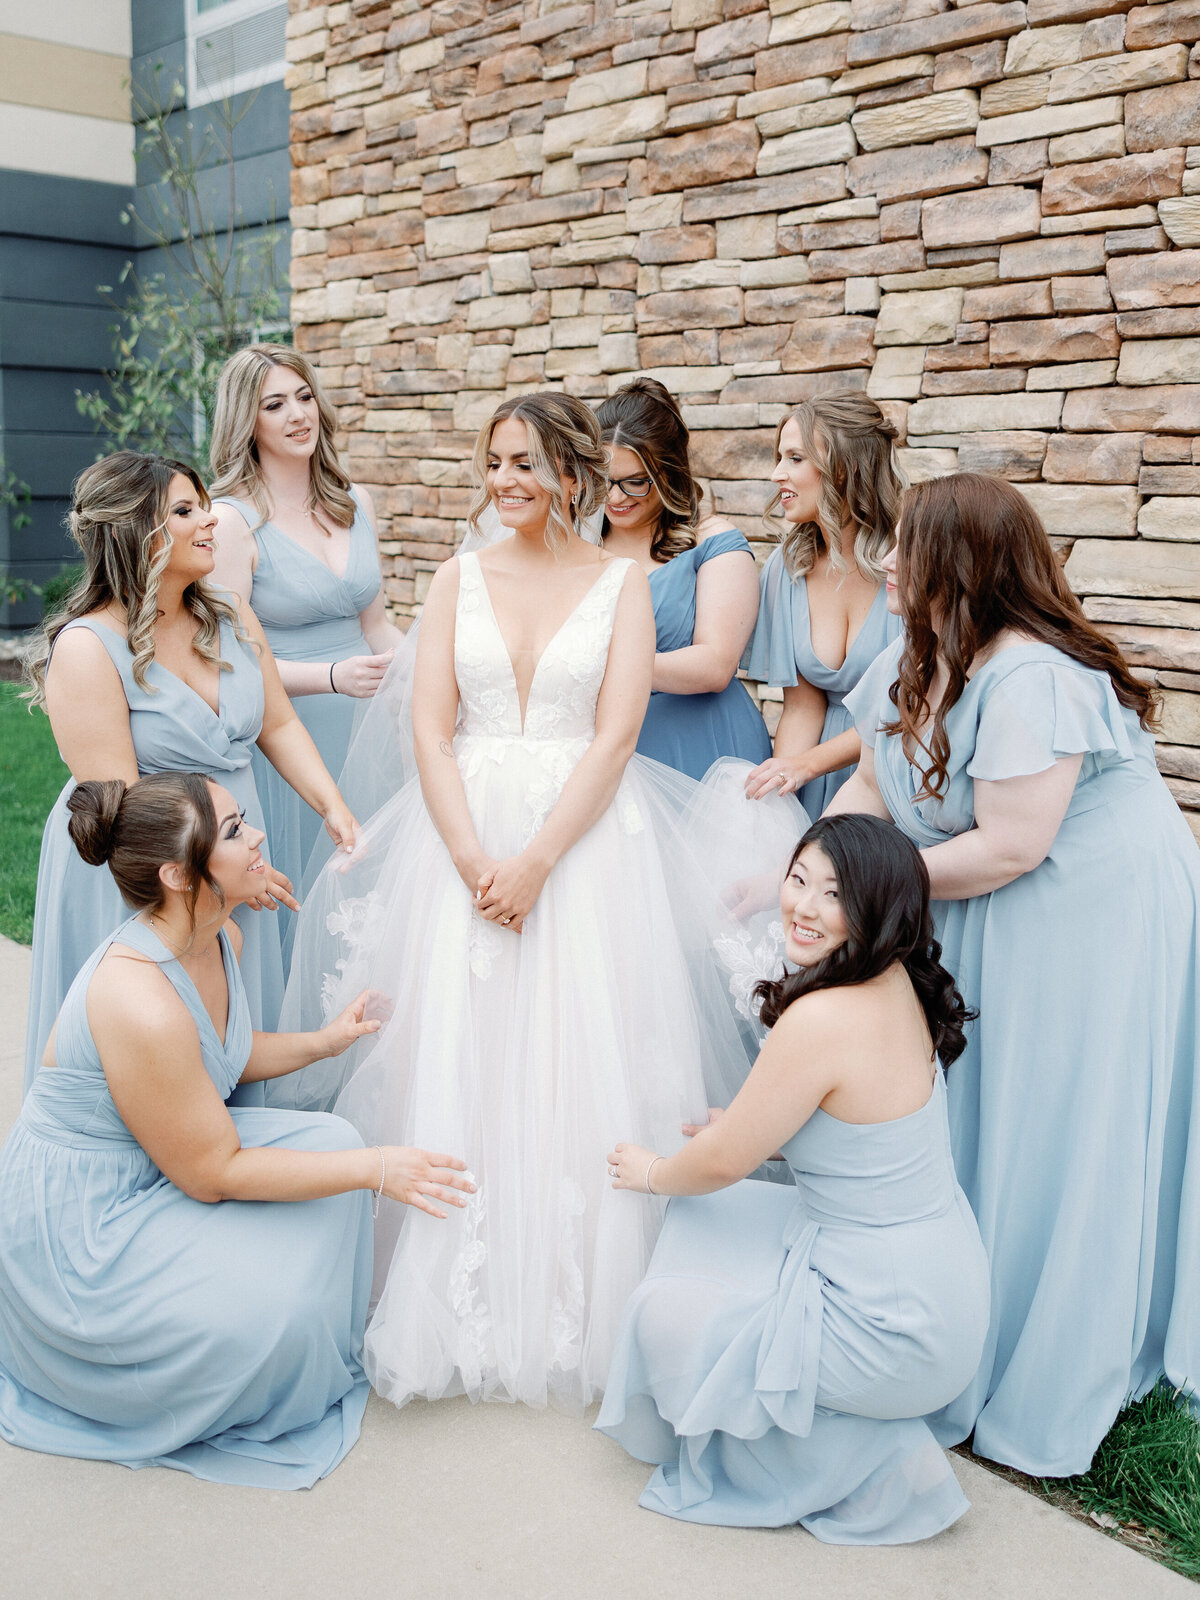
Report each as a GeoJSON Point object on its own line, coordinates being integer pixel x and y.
{"type": "Point", "coordinates": [649, 1170]}
{"type": "Point", "coordinates": [382, 1181]}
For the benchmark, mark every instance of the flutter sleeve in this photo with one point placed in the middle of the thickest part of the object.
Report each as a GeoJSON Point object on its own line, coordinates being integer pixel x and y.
{"type": "Point", "coordinates": [1040, 711]}
{"type": "Point", "coordinates": [727, 542]}
{"type": "Point", "coordinates": [771, 654]}
{"type": "Point", "coordinates": [868, 701]}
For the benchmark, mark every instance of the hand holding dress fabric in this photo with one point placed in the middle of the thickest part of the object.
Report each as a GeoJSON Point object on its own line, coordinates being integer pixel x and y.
{"type": "Point", "coordinates": [359, 677]}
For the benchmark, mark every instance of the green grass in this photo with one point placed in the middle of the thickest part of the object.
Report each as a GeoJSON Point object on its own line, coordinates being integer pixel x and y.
{"type": "Point", "coordinates": [31, 775]}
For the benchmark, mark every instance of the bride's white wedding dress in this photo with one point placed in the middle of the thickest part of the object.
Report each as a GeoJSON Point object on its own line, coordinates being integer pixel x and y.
{"type": "Point", "coordinates": [530, 1054]}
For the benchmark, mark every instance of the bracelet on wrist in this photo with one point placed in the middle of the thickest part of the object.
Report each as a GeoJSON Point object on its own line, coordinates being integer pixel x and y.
{"type": "Point", "coordinates": [649, 1170]}
{"type": "Point", "coordinates": [333, 688]}
{"type": "Point", "coordinates": [378, 1193]}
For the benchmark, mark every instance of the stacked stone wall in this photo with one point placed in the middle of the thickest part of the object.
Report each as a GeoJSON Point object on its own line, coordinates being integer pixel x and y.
{"type": "Point", "coordinates": [987, 215]}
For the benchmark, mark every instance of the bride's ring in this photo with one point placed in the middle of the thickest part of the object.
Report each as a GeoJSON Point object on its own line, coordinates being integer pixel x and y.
{"type": "Point", "coordinates": [505, 921]}
{"type": "Point", "coordinates": [612, 1172]}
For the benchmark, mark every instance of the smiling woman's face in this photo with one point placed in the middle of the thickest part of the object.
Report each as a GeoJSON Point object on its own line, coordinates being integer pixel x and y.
{"type": "Point", "coordinates": [814, 924]}
{"type": "Point", "coordinates": [522, 502]}
{"type": "Point", "coordinates": [190, 527]}
{"type": "Point", "coordinates": [637, 511]}
{"type": "Point", "coordinates": [236, 862]}
{"type": "Point", "coordinates": [798, 479]}
{"type": "Point", "coordinates": [288, 417]}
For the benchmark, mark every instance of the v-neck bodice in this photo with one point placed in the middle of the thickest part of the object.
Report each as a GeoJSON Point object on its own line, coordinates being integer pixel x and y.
{"type": "Point", "coordinates": [70, 1102]}
{"type": "Point", "coordinates": [309, 612]}
{"type": "Point", "coordinates": [781, 652]}
{"type": "Point", "coordinates": [566, 681]}
{"type": "Point", "coordinates": [174, 728]}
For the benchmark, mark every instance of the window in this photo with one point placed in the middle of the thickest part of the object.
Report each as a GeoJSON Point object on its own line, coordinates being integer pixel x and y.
{"type": "Point", "coordinates": [233, 45]}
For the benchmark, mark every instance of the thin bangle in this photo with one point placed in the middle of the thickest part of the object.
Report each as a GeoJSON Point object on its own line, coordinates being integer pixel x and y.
{"type": "Point", "coordinates": [382, 1181]}
{"type": "Point", "coordinates": [649, 1170]}
{"type": "Point", "coordinates": [333, 688]}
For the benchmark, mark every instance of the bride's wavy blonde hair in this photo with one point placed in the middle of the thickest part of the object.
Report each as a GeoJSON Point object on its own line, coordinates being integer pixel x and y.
{"type": "Point", "coordinates": [233, 455]}
{"type": "Point", "coordinates": [120, 506]}
{"type": "Point", "coordinates": [849, 441]}
{"type": "Point", "coordinates": [564, 439]}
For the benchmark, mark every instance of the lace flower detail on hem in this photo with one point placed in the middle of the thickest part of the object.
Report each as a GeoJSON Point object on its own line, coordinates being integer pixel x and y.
{"type": "Point", "coordinates": [566, 1312]}
{"type": "Point", "coordinates": [473, 1352]}
{"type": "Point", "coordinates": [484, 943]}
{"type": "Point", "coordinates": [748, 964]}
{"type": "Point", "coordinates": [359, 924]}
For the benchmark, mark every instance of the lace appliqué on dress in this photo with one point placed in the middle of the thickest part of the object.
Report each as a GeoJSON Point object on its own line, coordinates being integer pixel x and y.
{"type": "Point", "coordinates": [474, 1354]}
{"type": "Point", "coordinates": [566, 1312]}
{"type": "Point", "coordinates": [360, 926]}
{"type": "Point", "coordinates": [748, 963]}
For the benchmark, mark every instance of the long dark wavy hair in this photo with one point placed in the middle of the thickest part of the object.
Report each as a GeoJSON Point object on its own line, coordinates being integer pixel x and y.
{"type": "Point", "coordinates": [883, 890]}
{"type": "Point", "coordinates": [644, 416]}
{"type": "Point", "coordinates": [973, 553]}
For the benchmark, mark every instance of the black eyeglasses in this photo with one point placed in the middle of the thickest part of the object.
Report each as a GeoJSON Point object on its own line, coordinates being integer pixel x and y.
{"type": "Point", "coordinates": [636, 488]}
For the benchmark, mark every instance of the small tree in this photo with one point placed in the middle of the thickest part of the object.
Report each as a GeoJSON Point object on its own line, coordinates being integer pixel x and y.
{"type": "Point", "coordinates": [217, 287]}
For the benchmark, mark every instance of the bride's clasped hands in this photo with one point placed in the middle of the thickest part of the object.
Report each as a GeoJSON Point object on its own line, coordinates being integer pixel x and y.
{"type": "Point", "coordinates": [506, 891]}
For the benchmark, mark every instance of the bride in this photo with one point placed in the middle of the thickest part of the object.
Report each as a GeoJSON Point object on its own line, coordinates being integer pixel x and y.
{"type": "Point", "coordinates": [539, 927]}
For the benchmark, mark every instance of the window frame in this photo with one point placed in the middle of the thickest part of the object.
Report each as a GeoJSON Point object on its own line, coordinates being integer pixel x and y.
{"type": "Point", "coordinates": [216, 20]}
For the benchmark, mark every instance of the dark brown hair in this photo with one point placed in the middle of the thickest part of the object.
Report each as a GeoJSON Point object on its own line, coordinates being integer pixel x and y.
{"type": "Point", "coordinates": [643, 417]}
{"type": "Point", "coordinates": [973, 549]}
{"type": "Point", "coordinates": [883, 891]}
{"type": "Point", "coordinates": [138, 828]}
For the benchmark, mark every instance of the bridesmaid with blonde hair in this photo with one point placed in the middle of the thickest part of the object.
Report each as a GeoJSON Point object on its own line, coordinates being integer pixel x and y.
{"type": "Point", "coordinates": [149, 668]}
{"type": "Point", "coordinates": [296, 539]}
{"type": "Point", "coordinates": [823, 615]}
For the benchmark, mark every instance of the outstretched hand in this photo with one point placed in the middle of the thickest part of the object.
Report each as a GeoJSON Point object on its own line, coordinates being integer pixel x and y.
{"type": "Point", "coordinates": [349, 1026]}
{"type": "Point", "coordinates": [420, 1178]}
{"type": "Point", "coordinates": [628, 1165]}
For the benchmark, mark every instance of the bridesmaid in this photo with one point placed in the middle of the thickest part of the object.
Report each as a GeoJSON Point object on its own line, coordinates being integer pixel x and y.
{"type": "Point", "coordinates": [148, 669]}
{"type": "Point", "coordinates": [702, 584]}
{"type": "Point", "coordinates": [296, 539]}
{"type": "Point", "coordinates": [1017, 756]}
{"type": "Point", "coordinates": [153, 1310]}
{"type": "Point", "coordinates": [778, 1357]}
{"type": "Point", "coordinates": [824, 617]}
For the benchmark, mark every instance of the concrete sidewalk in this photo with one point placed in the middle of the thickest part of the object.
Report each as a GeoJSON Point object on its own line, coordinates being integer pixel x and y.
{"type": "Point", "coordinates": [489, 1502]}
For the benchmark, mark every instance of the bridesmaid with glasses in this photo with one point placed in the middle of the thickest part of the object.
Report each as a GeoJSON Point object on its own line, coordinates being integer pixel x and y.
{"type": "Point", "coordinates": [702, 584]}
{"type": "Point", "coordinates": [823, 616]}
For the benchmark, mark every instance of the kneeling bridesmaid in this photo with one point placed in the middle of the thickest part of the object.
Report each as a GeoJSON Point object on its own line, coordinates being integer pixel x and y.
{"type": "Point", "coordinates": [150, 1312]}
{"type": "Point", "coordinates": [779, 1356]}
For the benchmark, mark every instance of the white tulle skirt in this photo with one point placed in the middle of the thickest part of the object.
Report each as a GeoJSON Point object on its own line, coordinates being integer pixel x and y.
{"type": "Point", "coordinates": [617, 1014]}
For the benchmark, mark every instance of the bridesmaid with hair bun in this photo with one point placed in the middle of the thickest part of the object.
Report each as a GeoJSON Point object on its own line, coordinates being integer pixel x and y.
{"type": "Point", "coordinates": [702, 584]}
{"type": "Point", "coordinates": [823, 616]}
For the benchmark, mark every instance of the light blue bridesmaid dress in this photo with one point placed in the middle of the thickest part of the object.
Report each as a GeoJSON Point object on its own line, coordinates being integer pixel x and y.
{"type": "Point", "coordinates": [778, 1356]}
{"type": "Point", "coordinates": [691, 731]}
{"type": "Point", "coordinates": [781, 654]}
{"type": "Point", "coordinates": [174, 730]}
{"type": "Point", "coordinates": [308, 613]}
{"type": "Point", "coordinates": [1074, 1115]}
{"type": "Point", "coordinates": [146, 1328]}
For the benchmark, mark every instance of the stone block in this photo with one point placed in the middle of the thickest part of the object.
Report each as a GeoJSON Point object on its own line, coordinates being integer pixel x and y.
{"type": "Point", "coordinates": [818, 343]}
{"type": "Point", "coordinates": [653, 212]}
{"type": "Point", "coordinates": [967, 277]}
{"type": "Point", "coordinates": [756, 195]}
{"type": "Point", "coordinates": [701, 113]}
{"type": "Point", "coordinates": [688, 379]}
{"type": "Point", "coordinates": [1103, 36]}
{"type": "Point", "coordinates": [1171, 278]}
{"type": "Point", "coordinates": [1093, 144]}
{"type": "Point", "coordinates": [690, 308]}
{"type": "Point", "coordinates": [1148, 26]}
{"type": "Point", "coordinates": [919, 466]}
{"type": "Point", "coordinates": [1163, 569]}
{"type": "Point", "coordinates": [510, 273]}
{"type": "Point", "coordinates": [687, 14]}
{"type": "Point", "coordinates": [929, 317]}
{"type": "Point", "coordinates": [1000, 380]}
{"type": "Point", "coordinates": [509, 158]}
{"type": "Point", "coordinates": [814, 114]}
{"type": "Point", "coordinates": [971, 24]}
{"type": "Point", "coordinates": [603, 125]}
{"type": "Point", "coordinates": [792, 63]}
{"type": "Point", "coordinates": [989, 216]}
{"type": "Point", "coordinates": [1160, 448]}
{"type": "Point", "coordinates": [808, 22]}
{"type": "Point", "coordinates": [465, 233]}
{"type": "Point", "coordinates": [883, 73]}
{"type": "Point", "coordinates": [1120, 74]}
{"type": "Point", "coordinates": [901, 221]}
{"type": "Point", "coordinates": [746, 238]}
{"type": "Point", "coordinates": [1081, 295]}
{"type": "Point", "coordinates": [776, 271]}
{"type": "Point", "coordinates": [972, 65]}
{"type": "Point", "coordinates": [809, 147]}
{"type": "Point", "coordinates": [862, 294]}
{"type": "Point", "coordinates": [1159, 361]}
{"type": "Point", "coordinates": [835, 235]}
{"type": "Point", "coordinates": [591, 89]}
{"type": "Point", "coordinates": [1156, 119]}
{"type": "Point", "coordinates": [424, 305]}
{"type": "Point", "coordinates": [728, 41]}
{"type": "Point", "coordinates": [1130, 181]}
{"type": "Point", "coordinates": [897, 373]}
{"type": "Point", "coordinates": [733, 453]}
{"type": "Point", "coordinates": [1040, 49]}
{"type": "Point", "coordinates": [907, 255]}
{"type": "Point", "coordinates": [933, 117]}
{"type": "Point", "coordinates": [658, 245]}
{"type": "Point", "coordinates": [1174, 517]}
{"type": "Point", "coordinates": [1014, 95]}
{"type": "Point", "coordinates": [1018, 163]}
{"type": "Point", "coordinates": [985, 413]}
{"type": "Point", "coordinates": [1016, 456]}
{"type": "Point", "coordinates": [497, 311]}
{"type": "Point", "coordinates": [1181, 219]}
{"type": "Point", "coordinates": [1180, 725]}
{"type": "Point", "coordinates": [1050, 121]}
{"type": "Point", "coordinates": [701, 275]}
{"type": "Point", "coordinates": [1072, 511]}
{"type": "Point", "coordinates": [487, 366]}
{"type": "Point", "coordinates": [919, 172]}
{"type": "Point", "coordinates": [1072, 375]}
{"type": "Point", "coordinates": [1007, 300]}
{"type": "Point", "coordinates": [1046, 258]}
{"type": "Point", "coordinates": [806, 91]}
{"type": "Point", "coordinates": [1093, 458]}
{"type": "Point", "coordinates": [1165, 408]}
{"type": "Point", "coordinates": [794, 300]}
{"type": "Point", "coordinates": [1054, 339]}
